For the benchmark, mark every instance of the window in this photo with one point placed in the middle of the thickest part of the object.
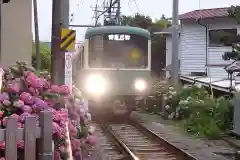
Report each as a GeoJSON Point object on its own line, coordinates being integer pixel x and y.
{"type": "Point", "coordinates": [118, 51]}
{"type": "Point", "coordinates": [223, 37]}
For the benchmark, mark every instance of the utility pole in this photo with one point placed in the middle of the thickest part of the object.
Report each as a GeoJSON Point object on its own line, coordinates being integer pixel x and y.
{"type": "Point", "coordinates": [1, 3]}
{"type": "Point", "coordinates": [64, 24]}
{"type": "Point", "coordinates": [0, 31]}
{"type": "Point", "coordinates": [175, 44]}
{"type": "Point", "coordinates": [37, 42]}
{"type": "Point", "coordinates": [56, 40]}
{"type": "Point", "coordinates": [60, 19]}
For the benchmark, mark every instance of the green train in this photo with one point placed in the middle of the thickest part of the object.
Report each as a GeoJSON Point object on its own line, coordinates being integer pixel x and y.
{"type": "Point", "coordinates": [115, 68]}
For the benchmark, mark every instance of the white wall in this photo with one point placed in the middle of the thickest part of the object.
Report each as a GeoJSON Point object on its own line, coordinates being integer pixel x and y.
{"type": "Point", "coordinates": [192, 48]}
{"type": "Point", "coordinates": [215, 53]}
{"type": "Point", "coordinates": [16, 32]}
{"type": "Point", "coordinates": [168, 53]}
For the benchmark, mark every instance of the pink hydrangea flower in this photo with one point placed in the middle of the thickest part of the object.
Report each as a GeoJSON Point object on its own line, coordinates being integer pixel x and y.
{"type": "Point", "coordinates": [36, 116]}
{"type": "Point", "coordinates": [2, 145]}
{"type": "Point", "coordinates": [55, 89]}
{"type": "Point", "coordinates": [76, 144]}
{"type": "Point", "coordinates": [4, 96]}
{"type": "Point", "coordinates": [23, 116]}
{"type": "Point", "coordinates": [92, 140]}
{"type": "Point", "coordinates": [18, 103]}
{"type": "Point", "coordinates": [6, 103]}
{"type": "Point", "coordinates": [56, 129]}
{"type": "Point", "coordinates": [57, 117]}
{"type": "Point", "coordinates": [14, 116]}
{"type": "Point", "coordinates": [13, 87]}
{"type": "Point", "coordinates": [4, 121]}
{"type": "Point", "coordinates": [46, 83]}
{"type": "Point", "coordinates": [28, 73]}
{"type": "Point", "coordinates": [72, 130]}
{"type": "Point", "coordinates": [78, 154]}
{"type": "Point", "coordinates": [26, 108]}
{"type": "Point", "coordinates": [1, 113]}
{"type": "Point", "coordinates": [56, 155]}
{"type": "Point", "coordinates": [59, 131]}
{"type": "Point", "coordinates": [64, 89]}
{"type": "Point", "coordinates": [39, 104]}
{"type": "Point", "coordinates": [26, 97]}
{"type": "Point", "coordinates": [61, 115]}
{"type": "Point", "coordinates": [2, 158]}
{"type": "Point", "coordinates": [20, 144]}
{"type": "Point", "coordinates": [51, 110]}
{"type": "Point", "coordinates": [34, 81]}
{"type": "Point", "coordinates": [62, 149]}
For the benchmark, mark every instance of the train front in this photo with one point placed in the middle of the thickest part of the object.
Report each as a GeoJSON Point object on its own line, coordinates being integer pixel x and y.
{"type": "Point", "coordinates": [116, 69]}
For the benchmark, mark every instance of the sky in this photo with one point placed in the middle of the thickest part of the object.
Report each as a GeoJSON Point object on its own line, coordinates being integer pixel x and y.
{"type": "Point", "coordinates": [154, 8]}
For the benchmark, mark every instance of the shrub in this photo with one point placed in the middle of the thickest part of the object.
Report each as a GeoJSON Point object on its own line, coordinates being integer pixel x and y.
{"type": "Point", "coordinates": [200, 113]}
{"type": "Point", "coordinates": [45, 53]}
{"type": "Point", "coordinates": [26, 94]}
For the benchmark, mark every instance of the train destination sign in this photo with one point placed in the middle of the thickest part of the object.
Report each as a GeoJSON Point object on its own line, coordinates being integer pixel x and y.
{"type": "Point", "coordinates": [119, 37]}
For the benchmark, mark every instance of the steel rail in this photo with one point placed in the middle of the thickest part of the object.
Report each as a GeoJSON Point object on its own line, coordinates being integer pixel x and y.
{"type": "Point", "coordinates": [121, 143]}
{"type": "Point", "coordinates": [146, 132]}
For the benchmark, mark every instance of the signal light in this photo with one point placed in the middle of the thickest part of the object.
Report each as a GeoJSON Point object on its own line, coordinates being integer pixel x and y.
{"type": "Point", "coordinates": [5, 1]}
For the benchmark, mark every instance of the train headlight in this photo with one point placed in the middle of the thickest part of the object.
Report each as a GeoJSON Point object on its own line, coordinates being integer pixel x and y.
{"type": "Point", "coordinates": [140, 85]}
{"type": "Point", "coordinates": [96, 84]}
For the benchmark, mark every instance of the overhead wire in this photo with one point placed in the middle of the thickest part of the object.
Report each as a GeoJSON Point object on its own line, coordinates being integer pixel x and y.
{"type": "Point", "coordinates": [105, 11]}
{"type": "Point", "coordinates": [74, 12]}
{"type": "Point", "coordinates": [135, 2]}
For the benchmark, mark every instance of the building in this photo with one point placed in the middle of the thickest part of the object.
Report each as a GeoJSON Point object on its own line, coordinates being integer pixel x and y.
{"type": "Point", "coordinates": [200, 48]}
{"type": "Point", "coordinates": [204, 37]}
{"type": "Point", "coordinates": [16, 32]}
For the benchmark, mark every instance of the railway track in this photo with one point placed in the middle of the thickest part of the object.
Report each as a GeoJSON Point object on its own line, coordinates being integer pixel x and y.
{"type": "Point", "coordinates": [128, 141]}
{"type": "Point", "coordinates": [109, 149]}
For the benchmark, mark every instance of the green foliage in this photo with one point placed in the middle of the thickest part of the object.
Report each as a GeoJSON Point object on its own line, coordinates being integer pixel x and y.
{"type": "Point", "coordinates": [199, 112]}
{"type": "Point", "coordinates": [138, 20]}
{"type": "Point", "coordinates": [45, 53]}
{"type": "Point", "coordinates": [234, 12]}
{"type": "Point", "coordinates": [211, 119]}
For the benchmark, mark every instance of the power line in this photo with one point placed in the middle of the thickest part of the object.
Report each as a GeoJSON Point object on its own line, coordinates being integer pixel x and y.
{"type": "Point", "coordinates": [135, 2]}
{"type": "Point", "coordinates": [73, 13]}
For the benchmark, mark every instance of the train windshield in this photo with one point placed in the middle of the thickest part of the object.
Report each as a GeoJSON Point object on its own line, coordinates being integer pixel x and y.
{"type": "Point", "coordinates": [128, 51]}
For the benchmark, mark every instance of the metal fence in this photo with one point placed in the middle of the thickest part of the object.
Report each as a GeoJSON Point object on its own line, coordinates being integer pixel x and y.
{"type": "Point", "coordinates": [37, 138]}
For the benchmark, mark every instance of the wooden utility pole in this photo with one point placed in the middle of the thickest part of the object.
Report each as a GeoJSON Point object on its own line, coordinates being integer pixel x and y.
{"type": "Point", "coordinates": [56, 40]}
{"type": "Point", "coordinates": [37, 42]}
{"type": "Point", "coordinates": [175, 44]}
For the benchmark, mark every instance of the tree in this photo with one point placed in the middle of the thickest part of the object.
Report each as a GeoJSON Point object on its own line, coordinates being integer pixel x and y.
{"type": "Point", "coordinates": [158, 41]}
{"type": "Point", "coordinates": [234, 12]}
{"type": "Point", "coordinates": [138, 20]}
{"type": "Point", "coordinates": [45, 53]}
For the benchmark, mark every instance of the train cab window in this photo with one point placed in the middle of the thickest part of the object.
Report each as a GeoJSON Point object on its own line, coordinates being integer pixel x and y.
{"type": "Point", "coordinates": [118, 51]}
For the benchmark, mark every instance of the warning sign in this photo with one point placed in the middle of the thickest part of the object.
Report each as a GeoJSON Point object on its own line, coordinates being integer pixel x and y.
{"type": "Point", "coordinates": [68, 38]}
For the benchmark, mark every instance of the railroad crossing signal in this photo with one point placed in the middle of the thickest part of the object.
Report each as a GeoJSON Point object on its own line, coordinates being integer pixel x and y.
{"type": "Point", "coordinates": [68, 38]}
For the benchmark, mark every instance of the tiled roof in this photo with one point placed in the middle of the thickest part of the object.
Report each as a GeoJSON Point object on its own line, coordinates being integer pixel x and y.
{"type": "Point", "coordinates": [205, 13]}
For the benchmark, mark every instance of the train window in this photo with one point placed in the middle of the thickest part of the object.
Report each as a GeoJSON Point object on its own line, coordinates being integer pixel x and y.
{"type": "Point", "coordinates": [118, 51]}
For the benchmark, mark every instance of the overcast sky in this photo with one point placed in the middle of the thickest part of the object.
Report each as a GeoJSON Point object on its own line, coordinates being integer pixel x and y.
{"type": "Point", "coordinates": [153, 8]}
